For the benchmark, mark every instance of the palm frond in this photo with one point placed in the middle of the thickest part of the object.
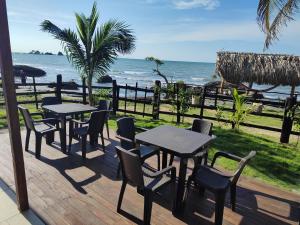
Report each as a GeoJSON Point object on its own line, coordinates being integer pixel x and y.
{"type": "Point", "coordinates": [283, 11]}
{"type": "Point", "coordinates": [70, 42]}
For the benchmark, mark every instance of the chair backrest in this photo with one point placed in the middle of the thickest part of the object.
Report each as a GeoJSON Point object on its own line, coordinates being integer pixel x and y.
{"type": "Point", "coordinates": [53, 100]}
{"type": "Point", "coordinates": [97, 121]}
{"type": "Point", "coordinates": [27, 117]}
{"type": "Point", "coordinates": [202, 126]}
{"type": "Point", "coordinates": [104, 105]}
{"type": "Point", "coordinates": [126, 129]}
{"type": "Point", "coordinates": [131, 167]}
{"type": "Point", "coordinates": [244, 161]}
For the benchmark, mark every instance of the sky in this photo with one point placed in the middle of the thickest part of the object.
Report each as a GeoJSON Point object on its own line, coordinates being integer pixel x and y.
{"type": "Point", "coordinates": [183, 30]}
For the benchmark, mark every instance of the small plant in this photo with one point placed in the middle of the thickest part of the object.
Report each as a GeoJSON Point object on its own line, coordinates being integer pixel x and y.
{"type": "Point", "coordinates": [241, 110]}
{"type": "Point", "coordinates": [102, 94]}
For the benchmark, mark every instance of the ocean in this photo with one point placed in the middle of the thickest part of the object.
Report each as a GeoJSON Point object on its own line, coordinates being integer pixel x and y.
{"type": "Point", "coordinates": [130, 71]}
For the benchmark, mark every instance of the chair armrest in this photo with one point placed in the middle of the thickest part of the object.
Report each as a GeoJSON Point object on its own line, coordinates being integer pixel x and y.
{"type": "Point", "coordinates": [124, 139]}
{"type": "Point", "coordinates": [47, 120]}
{"type": "Point", "coordinates": [225, 155]}
{"type": "Point", "coordinates": [80, 122]}
{"type": "Point", "coordinates": [141, 129]}
{"type": "Point", "coordinates": [37, 114]}
{"type": "Point", "coordinates": [159, 173]}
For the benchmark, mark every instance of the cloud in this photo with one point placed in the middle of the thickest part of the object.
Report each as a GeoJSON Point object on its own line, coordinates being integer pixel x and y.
{"type": "Point", "coordinates": [190, 4]}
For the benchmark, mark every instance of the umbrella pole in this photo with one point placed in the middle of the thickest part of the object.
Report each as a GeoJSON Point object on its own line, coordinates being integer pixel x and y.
{"type": "Point", "coordinates": [35, 95]}
{"type": "Point", "coordinates": [9, 93]}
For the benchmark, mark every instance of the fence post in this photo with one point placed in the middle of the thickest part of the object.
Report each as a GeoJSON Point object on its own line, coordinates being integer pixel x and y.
{"type": "Point", "coordinates": [233, 111]}
{"type": "Point", "coordinates": [177, 104]}
{"type": "Point", "coordinates": [156, 100]}
{"type": "Point", "coordinates": [58, 86]}
{"type": "Point", "coordinates": [84, 91]}
{"type": "Point", "coordinates": [135, 96]}
{"type": "Point", "coordinates": [35, 95]}
{"type": "Point", "coordinates": [202, 102]}
{"type": "Point", "coordinates": [287, 123]}
{"type": "Point", "coordinates": [114, 97]}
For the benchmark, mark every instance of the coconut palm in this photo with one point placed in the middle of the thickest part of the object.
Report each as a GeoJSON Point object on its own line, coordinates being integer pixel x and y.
{"type": "Point", "coordinates": [273, 14]}
{"type": "Point", "coordinates": [92, 49]}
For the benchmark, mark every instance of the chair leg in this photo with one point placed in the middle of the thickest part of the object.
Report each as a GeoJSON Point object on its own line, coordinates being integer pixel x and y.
{"type": "Point", "coordinates": [102, 140]}
{"type": "Point", "coordinates": [107, 129]}
{"type": "Point", "coordinates": [121, 195]}
{"type": "Point", "coordinates": [219, 208]}
{"type": "Point", "coordinates": [158, 160]}
{"type": "Point", "coordinates": [38, 145]}
{"type": "Point", "coordinates": [205, 158]}
{"type": "Point", "coordinates": [171, 160]}
{"type": "Point", "coordinates": [49, 138]}
{"type": "Point", "coordinates": [27, 139]}
{"type": "Point", "coordinates": [83, 146]}
{"type": "Point", "coordinates": [233, 196]}
{"type": "Point", "coordinates": [119, 170]}
{"type": "Point", "coordinates": [147, 206]}
{"type": "Point", "coordinates": [70, 141]}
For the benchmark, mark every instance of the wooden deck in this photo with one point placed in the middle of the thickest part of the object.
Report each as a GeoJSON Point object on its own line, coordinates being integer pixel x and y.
{"type": "Point", "coordinates": [68, 190]}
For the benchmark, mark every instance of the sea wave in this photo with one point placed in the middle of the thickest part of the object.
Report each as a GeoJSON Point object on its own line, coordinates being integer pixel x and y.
{"type": "Point", "coordinates": [134, 72]}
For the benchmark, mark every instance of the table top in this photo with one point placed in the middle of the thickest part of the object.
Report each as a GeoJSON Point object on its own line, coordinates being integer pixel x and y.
{"type": "Point", "coordinates": [180, 142]}
{"type": "Point", "coordinates": [69, 108]}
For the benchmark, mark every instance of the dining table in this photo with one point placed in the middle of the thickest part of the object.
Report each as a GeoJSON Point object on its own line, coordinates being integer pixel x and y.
{"type": "Point", "coordinates": [179, 142]}
{"type": "Point", "coordinates": [61, 111]}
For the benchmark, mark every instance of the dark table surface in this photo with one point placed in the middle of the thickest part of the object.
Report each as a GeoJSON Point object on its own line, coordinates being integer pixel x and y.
{"type": "Point", "coordinates": [70, 108]}
{"type": "Point", "coordinates": [180, 142]}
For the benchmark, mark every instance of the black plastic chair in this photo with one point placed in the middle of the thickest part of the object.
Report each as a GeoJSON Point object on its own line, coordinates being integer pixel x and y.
{"type": "Point", "coordinates": [216, 181]}
{"type": "Point", "coordinates": [126, 134]}
{"type": "Point", "coordinates": [105, 105]}
{"type": "Point", "coordinates": [94, 127]}
{"type": "Point", "coordinates": [146, 181]}
{"type": "Point", "coordinates": [39, 127]}
{"type": "Point", "coordinates": [204, 127]}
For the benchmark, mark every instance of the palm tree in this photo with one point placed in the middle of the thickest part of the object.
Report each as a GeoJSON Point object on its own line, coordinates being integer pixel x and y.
{"type": "Point", "coordinates": [93, 48]}
{"type": "Point", "coordinates": [158, 63]}
{"type": "Point", "coordinates": [281, 11]}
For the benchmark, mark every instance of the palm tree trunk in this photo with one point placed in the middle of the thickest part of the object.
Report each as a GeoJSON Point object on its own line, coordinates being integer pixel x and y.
{"type": "Point", "coordinates": [90, 91]}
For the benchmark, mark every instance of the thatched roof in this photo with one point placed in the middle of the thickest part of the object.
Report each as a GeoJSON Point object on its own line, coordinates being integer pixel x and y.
{"type": "Point", "coordinates": [28, 71]}
{"type": "Point", "coordinates": [267, 69]}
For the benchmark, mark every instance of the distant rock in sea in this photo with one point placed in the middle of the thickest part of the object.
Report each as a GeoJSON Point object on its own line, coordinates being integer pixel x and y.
{"type": "Point", "coordinates": [48, 53]}
{"type": "Point", "coordinates": [60, 53]}
{"type": "Point", "coordinates": [104, 79]}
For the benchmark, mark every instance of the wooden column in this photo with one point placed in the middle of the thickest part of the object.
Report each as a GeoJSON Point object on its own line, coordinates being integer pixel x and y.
{"type": "Point", "coordinates": [9, 93]}
{"type": "Point", "coordinates": [156, 100]}
{"type": "Point", "coordinates": [35, 95]}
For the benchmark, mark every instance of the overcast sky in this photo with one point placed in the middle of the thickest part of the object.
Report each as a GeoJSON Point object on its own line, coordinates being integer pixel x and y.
{"type": "Point", "coordinates": [186, 30]}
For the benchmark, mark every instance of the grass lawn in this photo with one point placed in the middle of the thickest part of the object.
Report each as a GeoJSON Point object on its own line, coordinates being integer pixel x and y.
{"type": "Point", "coordinates": [275, 163]}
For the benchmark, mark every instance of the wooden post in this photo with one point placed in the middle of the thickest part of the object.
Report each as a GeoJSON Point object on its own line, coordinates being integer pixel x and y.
{"type": "Point", "coordinates": [287, 123]}
{"type": "Point", "coordinates": [135, 96]}
{"type": "Point", "coordinates": [156, 100]}
{"type": "Point", "coordinates": [202, 103]}
{"type": "Point", "coordinates": [58, 86]}
{"type": "Point", "coordinates": [233, 108]}
{"type": "Point", "coordinates": [177, 104]}
{"type": "Point", "coordinates": [125, 106]}
{"type": "Point", "coordinates": [84, 91]}
{"type": "Point", "coordinates": [9, 93]}
{"type": "Point", "coordinates": [35, 95]}
{"type": "Point", "coordinates": [114, 97]}
{"type": "Point", "coordinates": [216, 96]}
{"type": "Point", "coordinates": [145, 99]}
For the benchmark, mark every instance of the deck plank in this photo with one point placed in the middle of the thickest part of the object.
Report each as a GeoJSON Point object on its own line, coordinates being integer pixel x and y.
{"type": "Point", "coordinates": [64, 189]}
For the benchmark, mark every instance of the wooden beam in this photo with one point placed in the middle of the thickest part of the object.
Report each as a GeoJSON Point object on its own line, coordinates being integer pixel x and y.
{"type": "Point", "coordinates": [12, 110]}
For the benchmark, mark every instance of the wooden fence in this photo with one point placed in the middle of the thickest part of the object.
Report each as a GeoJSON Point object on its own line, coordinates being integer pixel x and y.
{"type": "Point", "coordinates": [150, 100]}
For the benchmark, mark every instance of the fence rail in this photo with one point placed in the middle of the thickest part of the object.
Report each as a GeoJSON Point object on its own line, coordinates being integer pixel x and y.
{"type": "Point", "coordinates": [149, 101]}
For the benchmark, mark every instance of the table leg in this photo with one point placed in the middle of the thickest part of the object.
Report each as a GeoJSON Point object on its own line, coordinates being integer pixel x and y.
{"type": "Point", "coordinates": [178, 206]}
{"type": "Point", "coordinates": [63, 134]}
{"type": "Point", "coordinates": [164, 159]}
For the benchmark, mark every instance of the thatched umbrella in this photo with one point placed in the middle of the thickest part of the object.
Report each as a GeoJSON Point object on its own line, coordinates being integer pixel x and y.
{"type": "Point", "coordinates": [269, 69]}
{"type": "Point", "coordinates": [24, 71]}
